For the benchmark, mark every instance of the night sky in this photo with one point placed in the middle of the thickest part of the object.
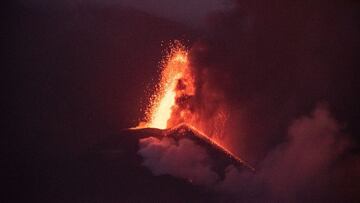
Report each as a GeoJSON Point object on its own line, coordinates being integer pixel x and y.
{"type": "Point", "coordinates": [79, 72]}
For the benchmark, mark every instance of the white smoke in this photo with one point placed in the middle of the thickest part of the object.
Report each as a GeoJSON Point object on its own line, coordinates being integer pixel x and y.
{"type": "Point", "coordinates": [313, 144]}
{"type": "Point", "coordinates": [182, 159]}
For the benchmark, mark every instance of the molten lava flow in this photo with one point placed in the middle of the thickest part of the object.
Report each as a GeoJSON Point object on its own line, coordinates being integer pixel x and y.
{"type": "Point", "coordinates": [175, 70]}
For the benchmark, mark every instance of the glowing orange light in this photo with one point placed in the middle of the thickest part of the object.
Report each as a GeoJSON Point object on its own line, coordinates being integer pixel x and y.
{"type": "Point", "coordinates": [167, 109]}
{"type": "Point", "coordinates": [174, 67]}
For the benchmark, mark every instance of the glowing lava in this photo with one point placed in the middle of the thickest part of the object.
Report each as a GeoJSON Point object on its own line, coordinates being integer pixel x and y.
{"type": "Point", "coordinates": [175, 68]}
{"type": "Point", "coordinates": [172, 106]}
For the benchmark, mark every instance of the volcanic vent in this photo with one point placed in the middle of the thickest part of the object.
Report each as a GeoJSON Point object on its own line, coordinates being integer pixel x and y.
{"type": "Point", "coordinates": [172, 111]}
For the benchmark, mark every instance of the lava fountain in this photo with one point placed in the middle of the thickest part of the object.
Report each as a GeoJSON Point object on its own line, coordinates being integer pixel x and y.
{"type": "Point", "coordinates": [171, 107]}
{"type": "Point", "coordinates": [176, 81]}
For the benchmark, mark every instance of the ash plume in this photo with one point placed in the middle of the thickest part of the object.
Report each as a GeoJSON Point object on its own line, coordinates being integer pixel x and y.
{"type": "Point", "coordinates": [270, 62]}
{"type": "Point", "coordinates": [265, 66]}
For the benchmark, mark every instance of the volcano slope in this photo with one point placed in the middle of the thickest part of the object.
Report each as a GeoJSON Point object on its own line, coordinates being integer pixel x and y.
{"type": "Point", "coordinates": [114, 171]}
{"type": "Point", "coordinates": [127, 145]}
{"type": "Point", "coordinates": [124, 176]}
{"type": "Point", "coordinates": [222, 156]}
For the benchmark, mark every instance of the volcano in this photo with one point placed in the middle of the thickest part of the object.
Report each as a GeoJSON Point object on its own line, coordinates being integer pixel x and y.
{"type": "Point", "coordinates": [174, 137]}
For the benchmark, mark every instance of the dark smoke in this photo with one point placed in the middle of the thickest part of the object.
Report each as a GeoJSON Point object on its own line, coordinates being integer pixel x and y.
{"type": "Point", "coordinates": [268, 64]}
{"type": "Point", "coordinates": [274, 61]}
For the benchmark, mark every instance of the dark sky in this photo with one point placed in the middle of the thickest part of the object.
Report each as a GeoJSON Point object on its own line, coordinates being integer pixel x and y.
{"type": "Point", "coordinates": [192, 13]}
{"type": "Point", "coordinates": [80, 71]}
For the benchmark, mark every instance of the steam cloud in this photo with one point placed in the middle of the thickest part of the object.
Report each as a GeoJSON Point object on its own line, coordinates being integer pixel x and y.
{"type": "Point", "coordinates": [314, 143]}
{"type": "Point", "coordinates": [184, 159]}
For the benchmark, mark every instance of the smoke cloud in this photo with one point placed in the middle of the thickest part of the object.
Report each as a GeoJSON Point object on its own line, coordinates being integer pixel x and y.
{"type": "Point", "coordinates": [182, 159]}
{"type": "Point", "coordinates": [296, 170]}
{"type": "Point", "coordinates": [264, 66]}
{"type": "Point", "coordinates": [260, 68]}
{"type": "Point", "coordinates": [267, 63]}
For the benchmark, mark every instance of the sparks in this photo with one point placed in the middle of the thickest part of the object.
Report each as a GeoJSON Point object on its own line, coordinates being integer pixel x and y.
{"type": "Point", "coordinates": [171, 105]}
{"type": "Point", "coordinates": [174, 68]}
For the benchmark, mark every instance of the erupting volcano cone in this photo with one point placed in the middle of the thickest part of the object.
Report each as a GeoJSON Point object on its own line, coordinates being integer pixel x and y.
{"type": "Point", "coordinates": [171, 114]}
{"type": "Point", "coordinates": [127, 144]}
